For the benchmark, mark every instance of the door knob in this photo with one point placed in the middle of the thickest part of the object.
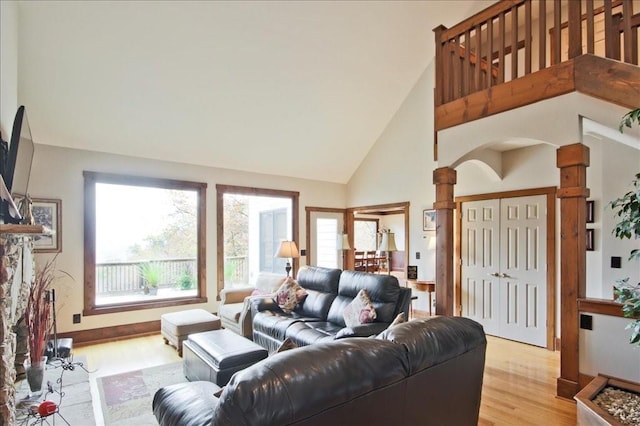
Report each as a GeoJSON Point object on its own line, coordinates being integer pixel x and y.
{"type": "Point", "coordinates": [503, 275]}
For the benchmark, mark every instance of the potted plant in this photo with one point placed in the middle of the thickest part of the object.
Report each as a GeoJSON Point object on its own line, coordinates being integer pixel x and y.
{"type": "Point", "coordinates": [627, 210]}
{"type": "Point", "coordinates": [150, 272]}
{"type": "Point", "coordinates": [185, 281]}
{"type": "Point", "coordinates": [37, 318]}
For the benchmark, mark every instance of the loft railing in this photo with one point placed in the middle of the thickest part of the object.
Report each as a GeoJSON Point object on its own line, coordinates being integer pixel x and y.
{"type": "Point", "coordinates": [515, 38]}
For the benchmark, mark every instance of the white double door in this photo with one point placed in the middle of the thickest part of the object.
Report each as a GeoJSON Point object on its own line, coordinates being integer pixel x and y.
{"type": "Point", "coordinates": [504, 279]}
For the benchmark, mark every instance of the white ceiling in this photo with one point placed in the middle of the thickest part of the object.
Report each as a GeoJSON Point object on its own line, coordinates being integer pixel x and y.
{"type": "Point", "coordinates": [300, 89]}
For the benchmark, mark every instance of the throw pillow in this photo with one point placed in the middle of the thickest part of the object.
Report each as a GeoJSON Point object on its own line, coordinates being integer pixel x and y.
{"type": "Point", "coordinates": [286, 345]}
{"type": "Point", "coordinates": [289, 295]}
{"type": "Point", "coordinates": [360, 310]}
{"type": "Point", "coordinates": [258, 292]}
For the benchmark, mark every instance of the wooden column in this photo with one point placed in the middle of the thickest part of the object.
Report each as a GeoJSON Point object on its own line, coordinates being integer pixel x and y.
{"type": "Point", "coordinates": [444, 178]}
{"type": "Point", "coordinates": [572, 160]}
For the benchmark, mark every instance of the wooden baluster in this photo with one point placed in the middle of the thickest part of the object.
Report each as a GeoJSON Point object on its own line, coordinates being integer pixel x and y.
{"type": "Point", "coordinates": [439, 90]}
{"type": "Point", "coordinates": [457, 69]}
{"type": "Point", "coordinates": [557, 30]}
{"type": "Point", "coordinates": [609, 30]}
{"type": "Point", "coordinates": [542, 36]}
{"type": "Point", "coordinates": [478, 70]}
{"type": "Point", "coordinates": [490, 52]}
{"type": "Point", "coordinates": [527, 37]}
{"type": "Point", "coordinates": [590, 27]}
{"type": "Point", "coordinates": [514, 43]}
{"type": "Point", "coordinates": [575, 29]}
{"type": "Point", "coordinates": [501, 47]}
{"type": "Point", "coordinates": [630, 54]}
{"type": "Point", "coordinates": [466, 66]}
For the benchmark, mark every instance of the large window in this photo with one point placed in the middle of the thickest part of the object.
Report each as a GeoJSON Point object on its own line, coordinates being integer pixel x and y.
{"type": "Point", "coordinates": [144, 242]}
{"type": "Point", "coordinates": [251, 224]}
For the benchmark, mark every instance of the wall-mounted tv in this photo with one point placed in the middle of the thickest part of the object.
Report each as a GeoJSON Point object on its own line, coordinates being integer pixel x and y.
{"type": "Point", "coordinates": [18, 163]}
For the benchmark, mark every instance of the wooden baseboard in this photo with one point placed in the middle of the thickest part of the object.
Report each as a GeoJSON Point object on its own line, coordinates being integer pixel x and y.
{"type": "Point", "coordinates": [109, 334]}
{"type": "Point", "coordinates": [557, 347]}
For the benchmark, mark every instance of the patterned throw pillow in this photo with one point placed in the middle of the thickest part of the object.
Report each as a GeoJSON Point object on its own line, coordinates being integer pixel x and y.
{"type": "Point", "coordinates": [360, 310]}
{"type": "Point", "coordinates": [289, 295]}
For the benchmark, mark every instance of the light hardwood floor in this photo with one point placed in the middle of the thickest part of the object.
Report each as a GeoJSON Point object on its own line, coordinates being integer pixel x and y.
{"type": "Point", "coordinates": [519, 380]}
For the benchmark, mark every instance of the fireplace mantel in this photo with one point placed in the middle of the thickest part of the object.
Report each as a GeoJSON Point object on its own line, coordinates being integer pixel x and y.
{"type": "Point", "coordinates": [16, 277]}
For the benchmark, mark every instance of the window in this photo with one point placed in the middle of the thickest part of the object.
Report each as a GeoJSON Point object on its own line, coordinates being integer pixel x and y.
{"type": "Point", "coordinates": [144, 243]}
{"type": "Point", "coordinates": [251, 224]}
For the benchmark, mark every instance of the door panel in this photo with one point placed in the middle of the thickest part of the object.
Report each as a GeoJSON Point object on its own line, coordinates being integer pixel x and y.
{"type": "Point", "coordinates": [479, 257]}
{"type": "Point", "coordinates": [523, 229]}
{"type": "Point", "coordinates": [323, 239]}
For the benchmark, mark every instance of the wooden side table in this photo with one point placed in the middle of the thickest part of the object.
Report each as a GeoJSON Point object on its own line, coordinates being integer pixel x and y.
{"type": "Point", "coordinates": [426, 286]}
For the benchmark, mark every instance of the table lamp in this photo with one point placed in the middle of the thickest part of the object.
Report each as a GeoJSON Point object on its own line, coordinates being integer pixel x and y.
{"type": "Point", "coordinates": [388, 244]}
{"type": "Point", "coordinates": [288, 250]}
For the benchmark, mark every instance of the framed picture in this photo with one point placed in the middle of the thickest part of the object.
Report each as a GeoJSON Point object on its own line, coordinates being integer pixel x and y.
{"type": "Point", "coordinates": [429, 220]}
{"type": "Point", "coordinates": [590, 213]}
{"type": "Point", "coordinates": [590, 240]}
{"type": "Point", "coordinates": [48, 212]}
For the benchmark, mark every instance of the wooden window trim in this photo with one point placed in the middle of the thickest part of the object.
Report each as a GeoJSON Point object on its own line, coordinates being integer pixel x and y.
{"type": "Point", "coordinates": [90, 180]}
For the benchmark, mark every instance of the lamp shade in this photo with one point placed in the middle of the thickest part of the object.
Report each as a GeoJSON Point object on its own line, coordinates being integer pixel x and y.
{"type": "Point", "coordinates": [342, 242]}
{"type": "Point", "coordinates": [288, 249]}
{"type": "Point", "coordinates": [388, 242]}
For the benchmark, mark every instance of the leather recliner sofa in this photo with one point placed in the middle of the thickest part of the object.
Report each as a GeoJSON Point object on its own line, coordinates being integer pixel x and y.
{"type": "Point", "coordinates": [424, 372]}
{"type": "Point", "coordinates": [320, 316]}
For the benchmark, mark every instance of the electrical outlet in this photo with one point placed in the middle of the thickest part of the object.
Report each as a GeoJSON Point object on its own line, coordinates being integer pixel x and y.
{"type": "Point", "coordinates": [586, 322]}
{"type": "Point", "coordinates": [417, 255]}
{"type": "Point", "coordinates": [616, 262]}
{"type": "Point", "coordinates": [76, 318]}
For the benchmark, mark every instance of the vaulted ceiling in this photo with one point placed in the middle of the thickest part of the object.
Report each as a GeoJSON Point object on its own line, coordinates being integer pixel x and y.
{"type": "Point", "coordinates": [294, 88]}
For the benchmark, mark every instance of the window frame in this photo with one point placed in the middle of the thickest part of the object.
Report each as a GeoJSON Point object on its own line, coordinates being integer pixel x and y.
{"type": "Point", "coordinates": [90, 181]}
{"type": "Point", "coordinates": [221, 190]}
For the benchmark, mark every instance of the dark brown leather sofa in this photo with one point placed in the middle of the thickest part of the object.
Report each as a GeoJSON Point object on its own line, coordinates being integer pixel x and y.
{"type": "Point", "coordinates": [320, 317]}
{"type": "Point", "coordinates": [424, 372]}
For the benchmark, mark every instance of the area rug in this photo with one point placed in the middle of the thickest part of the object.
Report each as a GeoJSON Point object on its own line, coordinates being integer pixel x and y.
{"type": "Point", "coordinates": [126, 398]}
{"type": "Point", "coordinates": [69, 389]}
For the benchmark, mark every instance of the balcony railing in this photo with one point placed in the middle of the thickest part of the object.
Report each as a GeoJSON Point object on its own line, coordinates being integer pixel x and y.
{"type": "Point", "coordinates": [515, 38]}
{"type": "Point", "coordinates": [121, 278]}
{"type": "Point", "coordinates": [236, 270]}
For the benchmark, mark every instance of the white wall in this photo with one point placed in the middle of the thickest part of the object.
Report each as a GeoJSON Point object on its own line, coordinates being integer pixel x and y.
{"type": "Point", "coordinates": [57, 173]}
{"type": "Point", "coordinates": [400, 168]}
{"type": "Point", "coordinates": [8, 66]}
{"type": "Point", "coordinates": [606, 349]}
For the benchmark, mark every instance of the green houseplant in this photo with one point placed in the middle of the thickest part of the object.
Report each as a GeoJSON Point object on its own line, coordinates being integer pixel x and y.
{"type": "Point", "coordinates": [627, 210]}
{"type": "Point", "coordinates": [150, 272]}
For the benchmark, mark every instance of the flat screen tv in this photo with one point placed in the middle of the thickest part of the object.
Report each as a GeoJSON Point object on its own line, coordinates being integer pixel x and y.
{"type": "Point", "coordinates": [19, 159]}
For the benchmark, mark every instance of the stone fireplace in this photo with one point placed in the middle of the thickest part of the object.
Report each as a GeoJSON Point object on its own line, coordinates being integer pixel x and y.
{"type": "Point", "coordinates": [16, 277]}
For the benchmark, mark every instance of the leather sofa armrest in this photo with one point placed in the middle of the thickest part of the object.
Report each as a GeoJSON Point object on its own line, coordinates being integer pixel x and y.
{"type": "Point", "coordinates": [263, 303]}
{"type": "Point", "coordinates": [246, 318]}
{"type": "Point", "coordinates": [364, 330]}
{"type": "Point", "coordinates": [234, 295]}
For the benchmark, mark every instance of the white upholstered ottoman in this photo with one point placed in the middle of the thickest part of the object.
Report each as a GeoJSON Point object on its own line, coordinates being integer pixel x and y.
{"type": "Point", "coordinates": [177, 326]}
